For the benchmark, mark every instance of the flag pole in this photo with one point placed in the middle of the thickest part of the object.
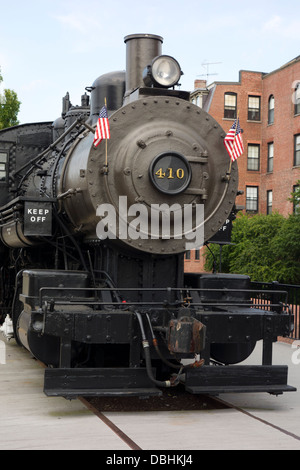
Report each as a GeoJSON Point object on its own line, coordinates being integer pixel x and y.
{"type": "Point", "coordinates": [106, 160]}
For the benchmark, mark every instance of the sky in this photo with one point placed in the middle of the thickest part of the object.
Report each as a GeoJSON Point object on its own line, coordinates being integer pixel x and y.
{"type": "Point", "coordinates": [50, 47]}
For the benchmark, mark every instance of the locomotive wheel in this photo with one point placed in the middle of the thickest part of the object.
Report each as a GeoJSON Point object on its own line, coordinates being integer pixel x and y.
{"type": "Point", "coordinates": [231, 353]}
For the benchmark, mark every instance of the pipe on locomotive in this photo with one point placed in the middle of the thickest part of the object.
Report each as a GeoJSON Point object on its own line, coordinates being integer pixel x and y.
{"type": "Point", "coordinates": [140, 51]}
{"type": "Point", "coordinates": [174, 380]}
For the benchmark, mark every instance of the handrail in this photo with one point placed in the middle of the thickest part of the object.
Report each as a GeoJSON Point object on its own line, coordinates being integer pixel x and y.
{"type": "Point", "coordinates": [169, 291]}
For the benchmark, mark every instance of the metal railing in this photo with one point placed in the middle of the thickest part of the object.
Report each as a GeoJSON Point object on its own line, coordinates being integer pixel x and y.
{"type": "Point", "coordinates": [293, 300]}
{"type": "Point", "coordinates": [174, 297]}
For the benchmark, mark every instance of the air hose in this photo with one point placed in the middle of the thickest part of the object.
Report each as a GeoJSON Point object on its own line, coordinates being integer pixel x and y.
{"type": "Point", "coordinates": [155, 344]}
{"type": "Point", "coordinates": [173, 381]}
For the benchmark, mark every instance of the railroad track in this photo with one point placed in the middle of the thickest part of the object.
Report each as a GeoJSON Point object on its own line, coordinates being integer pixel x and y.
{"type": "Point", "coordinates": [170, 401]}
{"type": "Point", "coordinates": [130, 420]}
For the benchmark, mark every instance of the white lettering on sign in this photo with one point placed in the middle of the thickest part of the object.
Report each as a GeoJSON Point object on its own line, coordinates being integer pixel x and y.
{"type": "Point", "coordinates": [37, 215]}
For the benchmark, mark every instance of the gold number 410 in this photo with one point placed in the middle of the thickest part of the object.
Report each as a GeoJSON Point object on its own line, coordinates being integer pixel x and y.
{"type": "Point", "coordinates": [169, 173]}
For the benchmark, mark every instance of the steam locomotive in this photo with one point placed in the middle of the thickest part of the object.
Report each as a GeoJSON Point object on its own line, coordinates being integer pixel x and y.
{"type": "Point", "coordinates": [93, 239]}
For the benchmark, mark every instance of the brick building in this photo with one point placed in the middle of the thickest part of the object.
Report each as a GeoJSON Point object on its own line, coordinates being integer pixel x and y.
{"type": "Point", "coordinates": [268, 106]}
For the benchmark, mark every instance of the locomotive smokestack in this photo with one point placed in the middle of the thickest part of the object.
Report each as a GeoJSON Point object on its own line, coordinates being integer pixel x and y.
{"type": "Point", "coordinates": [140, 51]}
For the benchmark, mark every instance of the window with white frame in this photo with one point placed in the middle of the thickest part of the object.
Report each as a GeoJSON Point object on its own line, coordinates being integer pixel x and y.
{"type": "Point", "coordinates": [297, 99]}
{"type": "Point", "coordinates": [230, 104]}
{"type": "Point", "coordinates": [271, 110]}
{"type": "Point", "coordinates": [253, 108]}
{"type": "Point", "coordinates": [253, 157]}
{"type": "Point", "coordinates": [296, 204]}
{"type": "Point", "coordinates": [297, 150]}
{"type": "Point", "coordinates": [269, 202]}
{"type": "Point", "coordinates": [270, 157]}
{"type": "Point", "coordinates": [252, 198]}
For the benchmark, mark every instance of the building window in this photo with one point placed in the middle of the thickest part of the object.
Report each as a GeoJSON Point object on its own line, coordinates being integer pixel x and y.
{"type": "Point", "coordinates": [230, 102]}
{"type": "Point", "coordinates": [3, 166]}
{"type": "Point", "coordinates": [254, 108]}
{"type": "Point", "coordinates": [253, 157]}
{"type": "Point", "coordinates": [270, 156]}
{"type": "Point", "coordinates": [271, 110]}
{"type": "Point", "coordinates": [297, 150]}
{"type": "Point", "coordinates": [252, 198]}
{"type": "Point", "coordinates": [197, 100]}
{"type": "Point", "coordinates": [197, 254]}
{"type": "Point", "coordinates": [188, 254]}
{"type": "Point", "coordinates": [297, 98]}
{"type": "Point", "coordinates": [296, 205]}
{"type": "Point", "coordinates": [269, 202]}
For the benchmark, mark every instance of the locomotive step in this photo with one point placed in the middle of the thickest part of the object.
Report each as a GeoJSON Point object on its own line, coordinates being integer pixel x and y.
{"type": "Point", "coordinates": [74, 382]}
{"type": "Point", "coordinates": [230, 379]}
{"type": "Point", "coordinates": [215, 390]}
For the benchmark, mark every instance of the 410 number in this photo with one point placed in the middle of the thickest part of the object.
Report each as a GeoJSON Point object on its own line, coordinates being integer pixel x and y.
{"type": "Point", "coordinates": [170, 173]}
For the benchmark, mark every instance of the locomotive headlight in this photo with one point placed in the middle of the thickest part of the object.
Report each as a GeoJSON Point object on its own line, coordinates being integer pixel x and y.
{"type": "Point", "coordinates": [164, 72]}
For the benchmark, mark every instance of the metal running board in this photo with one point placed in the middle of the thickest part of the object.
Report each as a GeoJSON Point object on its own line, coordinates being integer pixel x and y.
{"type": "Point", "coordinates": [109, 382]}
{"type": "Point", "coordinates": [216, 390]}
{"type": "Point", "coordinates": [238, 379]}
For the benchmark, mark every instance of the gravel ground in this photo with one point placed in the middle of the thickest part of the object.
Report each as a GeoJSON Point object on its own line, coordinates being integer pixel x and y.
{"type": "Point", "coordinates": [171, 399]}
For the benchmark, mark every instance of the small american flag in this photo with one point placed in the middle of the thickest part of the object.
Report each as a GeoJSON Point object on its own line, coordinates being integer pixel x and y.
{"type": "Point", "coordinates": [234, 142]}
{"type": "Point", "coordinates": [102, 129]}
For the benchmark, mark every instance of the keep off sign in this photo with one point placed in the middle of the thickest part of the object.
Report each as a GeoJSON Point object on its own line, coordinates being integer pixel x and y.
{"type": "Point", "coordinates": [38, 219]}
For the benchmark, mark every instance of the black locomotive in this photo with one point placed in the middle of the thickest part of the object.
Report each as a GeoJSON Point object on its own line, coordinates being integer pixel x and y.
{"type": "Point", "coordinates": [93, 241]}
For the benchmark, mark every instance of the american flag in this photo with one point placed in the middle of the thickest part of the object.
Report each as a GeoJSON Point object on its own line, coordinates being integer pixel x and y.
{"type": "Point", "coordinates": [102, 129]}
{"type": "Point", "coordinates": [234, 142]}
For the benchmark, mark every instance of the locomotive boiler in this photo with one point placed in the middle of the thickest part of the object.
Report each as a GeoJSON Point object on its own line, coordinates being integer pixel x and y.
{"type": "Point", "coordinates": [93, 240]}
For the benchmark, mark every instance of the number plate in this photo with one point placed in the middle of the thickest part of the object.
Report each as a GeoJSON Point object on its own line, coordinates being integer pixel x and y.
{"type": "Point", "coordinates": [170, 172]}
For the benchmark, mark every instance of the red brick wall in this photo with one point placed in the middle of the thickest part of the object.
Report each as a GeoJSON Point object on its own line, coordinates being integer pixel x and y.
{"type": "Point", "coordinates": [250, 84]}
{"type": "Point", "coordinates": [194, 265]}
{"type": "Point", "coordinates": [286, 125]}
{"type": "Point", "coordinates": [284, 176]}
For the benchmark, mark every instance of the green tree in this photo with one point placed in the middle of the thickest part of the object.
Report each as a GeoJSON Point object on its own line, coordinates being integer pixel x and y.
{"type": "Point", "coordinates": [286, 248]}
{"type": "Point", "coordinates": [265, 247]}
{"type": "Point", "coordinates": [9, 107]}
